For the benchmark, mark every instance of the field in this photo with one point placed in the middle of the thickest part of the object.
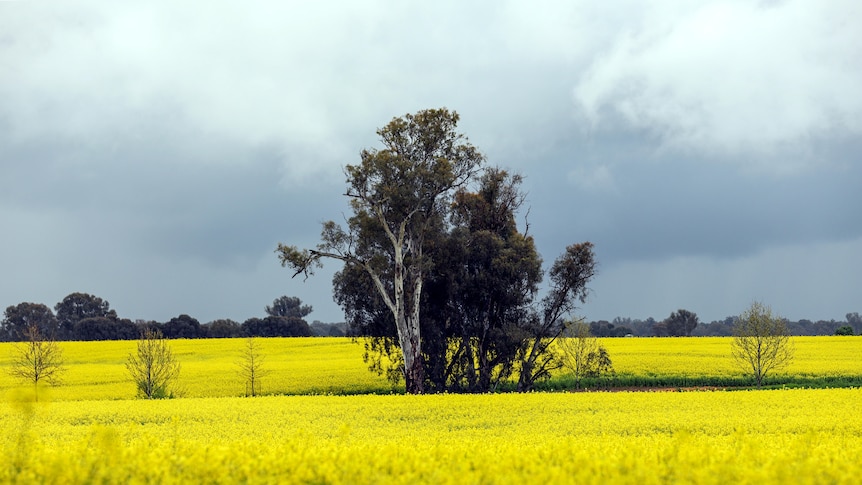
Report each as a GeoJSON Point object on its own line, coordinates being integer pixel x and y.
{"type": "Point", "coordinates": [95, 370]}
{"type": "Point", "coordinates": [93, 432]}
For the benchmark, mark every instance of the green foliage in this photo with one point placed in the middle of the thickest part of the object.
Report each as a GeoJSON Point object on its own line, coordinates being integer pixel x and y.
{"type": "Point", "coordinates": [223, 328]}
{"type": "Point", "coordinates": [182, 326]}
{"type": "Point", "coordinates": [844, 330]}
{"type": "Point", "coordinates": [276, 327]}
{"type": "Point", "coordinates": [78, 306]}
{"type": "Point", "coordinates": [288, 306]}
{"type": "Point", "coordinates": [398, 195]}
{"type": "Point", "coordinates": [480, 320]}
{"type": "Point", "coordinates": [104, 328]}
{"type": "Point", "coordinates": [598, 363]}
{"type": "Point", "coordinates": [680, 323]}
{"type": "Point", "coordinates": [18, 319]}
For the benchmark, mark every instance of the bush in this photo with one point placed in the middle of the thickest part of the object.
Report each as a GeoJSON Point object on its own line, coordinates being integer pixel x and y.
{"type": "Point", "coordinates": [153, 367]}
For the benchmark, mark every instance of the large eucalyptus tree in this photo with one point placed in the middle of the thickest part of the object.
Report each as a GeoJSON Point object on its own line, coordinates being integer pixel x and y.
{"type": "Point", "coordinates": [401, 190]}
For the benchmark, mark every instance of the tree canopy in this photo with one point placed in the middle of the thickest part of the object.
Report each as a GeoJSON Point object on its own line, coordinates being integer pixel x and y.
{"type": "Point", "coordinates": [288, 306]}
{"type": "Point", "coordinates": [681, 323]}
{"type": "Point", "coordinates": [18, 319]}
{"type": "Point", "coordinates": [398, 194]}
{"type": "Point", "coordinates": [481, 320]}
{"type": "Point", "coordinates": [78, 306]}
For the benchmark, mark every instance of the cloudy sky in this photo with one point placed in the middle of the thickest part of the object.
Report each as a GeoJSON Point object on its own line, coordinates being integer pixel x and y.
{"type": "Point", "coordinates": [155, 153]}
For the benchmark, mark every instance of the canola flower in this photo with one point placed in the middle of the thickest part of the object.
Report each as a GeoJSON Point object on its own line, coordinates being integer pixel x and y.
{"type": "Point", "coordinates": [710, 356]}
{"type": "Point", "coordinates": [763, 437]}
{"type": "Point", "coordinates": [96, 371]}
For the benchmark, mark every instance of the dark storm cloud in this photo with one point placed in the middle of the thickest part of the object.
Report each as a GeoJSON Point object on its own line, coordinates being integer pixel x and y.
{"type": "Point", "coordinates": [156, 153]}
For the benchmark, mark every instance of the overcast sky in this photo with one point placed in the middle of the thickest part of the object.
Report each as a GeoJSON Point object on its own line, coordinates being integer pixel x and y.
{"type": "Point", "coordinates": [155, 153]}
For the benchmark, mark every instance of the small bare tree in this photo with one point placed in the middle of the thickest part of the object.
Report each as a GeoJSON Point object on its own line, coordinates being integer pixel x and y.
{"type": "Point", "coordinates": [761, 343]}
{"type": "Point", "coordinates": [37, 359]}
{"type": "Point", "coordinates": [582, 353]}
{"type": "Point", "coordinates": [153, 366]}
{"type": "Point", "coordinates": [251, 366]}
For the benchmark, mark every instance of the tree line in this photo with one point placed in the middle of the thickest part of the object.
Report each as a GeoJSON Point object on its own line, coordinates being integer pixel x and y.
{"type": "Point", "coordinates": [683, 323]}
{"type": "Point", "coordinates": [83, 317]}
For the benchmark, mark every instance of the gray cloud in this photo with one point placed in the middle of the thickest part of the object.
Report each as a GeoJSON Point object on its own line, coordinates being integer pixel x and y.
{"type": "Point", "coordinates": [734, 78]}
{"type": "Point", "coordinates": [155, 153]}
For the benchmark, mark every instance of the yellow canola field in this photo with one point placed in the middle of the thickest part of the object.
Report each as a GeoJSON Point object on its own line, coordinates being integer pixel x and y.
{"type": "Point", "coordinates": [95, 370]}
{"type": "Point", "coordinates": [711, 356]}
{"type": "Point", "coordinates": [759, 437]}
{"type": "Point", "coordinates": [209, 368]}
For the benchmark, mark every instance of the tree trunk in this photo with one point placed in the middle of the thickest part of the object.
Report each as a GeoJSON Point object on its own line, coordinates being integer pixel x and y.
{"type": "Point", "coordinates": [414, 371]}
{"type": "Point", "coordinates": [408, 326]}
{"type": "Point", "coordinates": [414, 368]}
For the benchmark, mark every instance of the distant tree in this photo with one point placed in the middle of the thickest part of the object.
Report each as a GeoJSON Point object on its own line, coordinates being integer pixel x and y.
{"type": "Point", "coordinates": [153, 367]}
{"type": "Point", "coordinates": [78, 306]}
{"type": "Point", "coordinates": [399, 192]}
{"type": "Point", "coordinates": [251, 368]}
{"type": "Point", "coordinates": [288, 306]}
{"type": "Point", "coordinates": [660, 329]}
{"type": "Point", "coordinates": [582, 353]}
{"type": "Point", "coordinates": [276, 327]}
{"type": "Point", "coordinates": [855, 321]}
{"type": "Point", "coordinates": [680, 323]}
{"type": "Point", "coordinates": [761, 343]}
{"type": "Point", "coordinates": [715, 329]}
{"type": "Point", "coordinates": [103, 328]}
{"type": "Point", "coordinates": [320, 329]}
{"type": "Point", "coordinates": [844, 330]}
{"type": "Point", "coordinates": [19, 318]}
{"type": "Point", "coordinates": [182, 326]}
{"type": "Point", "coordinates": [603, 328]}
{"type": "Point", "coordinates": [224, 328]}
{"type": "Point", "coordinates": [37, 359]}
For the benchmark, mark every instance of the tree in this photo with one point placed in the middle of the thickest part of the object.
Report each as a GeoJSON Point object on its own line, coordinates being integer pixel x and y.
{"type": "Point", "coordinates": [223, 328]}
{"type": "Point", "coordinates": [78, 306]}
{"type": "Point", "coordinates": [761, 342]}
{"type": "Point", "coordinates": [494, 272]}
{"type": "Point", "coordinates": [18, 319]}
{"type": "Point", "coordinates": [855, 321]}
{"type": "Point", "coordinates": [400, 191]}
{"type": "Point", "coordinates": [276, 327]}
{"type": "Point", "coordinates": [182, 326]}
{"type": "Point", "coordinates": [680, 323]}
{"type": "Point", "coordinates": [478, 314]}
{"type": "Point", "coordinates": [103, 328]}
{"type": "Point", "coordinates": [37, 360]}
{"type": "Point", "coordinates": [288, 306]}
{"type": "Point", "coordinates": [844, 330]}
{"type": "Point", "coordinates": [321, 329]}
{"type": "Point", "coordinates": [153, 366]}
{"type": "Point", "coordinates": [582, 353]}
{"type": "Point", "coordinates": [569, 276]}
{"type": "Point", "coordinates": [250, 365]}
